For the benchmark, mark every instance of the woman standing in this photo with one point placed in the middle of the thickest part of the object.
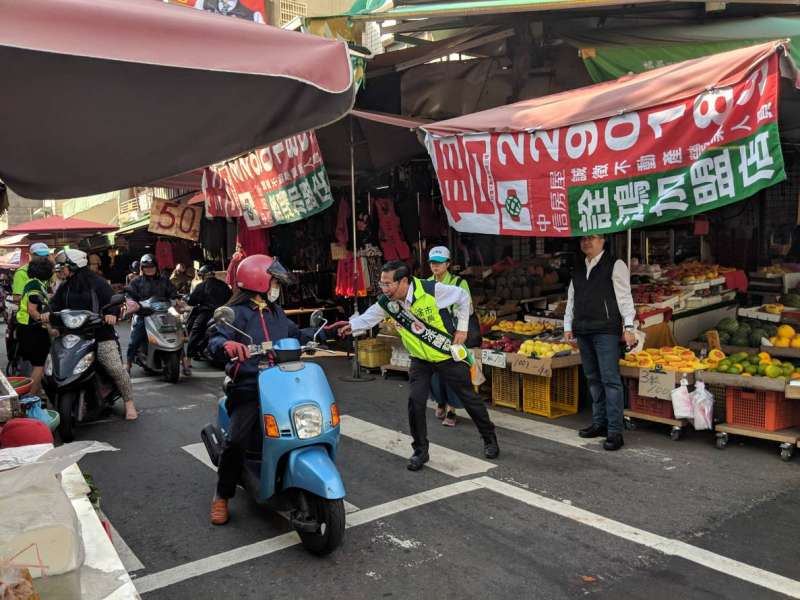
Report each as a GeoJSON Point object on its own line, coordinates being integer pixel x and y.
{"type": "Point", "coordinates": [85, 290]}
{"type": "Point", "coordinates": [34, 339]}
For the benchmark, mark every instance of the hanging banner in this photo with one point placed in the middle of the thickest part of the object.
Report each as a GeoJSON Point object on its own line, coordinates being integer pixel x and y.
{"type": "Point", "coordinates": [632, 170]}
{"type": "Point", "coordinates": [175, 220]}
{"type": "Point", "coordinates": [279, 183]}
{"type": "Point", "coordinates": [249, 10]}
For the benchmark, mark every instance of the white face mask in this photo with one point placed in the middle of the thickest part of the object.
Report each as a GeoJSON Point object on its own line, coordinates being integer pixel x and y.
{"type": "Point", "coordinates": [274, 294]}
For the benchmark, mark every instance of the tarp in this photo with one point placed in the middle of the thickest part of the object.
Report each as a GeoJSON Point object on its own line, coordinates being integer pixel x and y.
{"type": "Point", "coordinates": [14, 259]}
{"type": "Point", "coordinates": [57, 224]}
{"type": "Point", "coordinates": [612, 53]}
{"type": "Point", "coordinates": [107, 94]}
{"type": "Point", "coordinates": [646, 149]}
{"type": "Point", "coordinates": [12, 241]}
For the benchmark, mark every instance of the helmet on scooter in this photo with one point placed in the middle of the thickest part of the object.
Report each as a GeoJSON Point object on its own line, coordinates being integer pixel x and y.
{"type": "Point", "coordinates": [255, 273]}
{"type": "Point", "coordinates": [148, 260]}
{"type": "Point", "coordinates": [74, 259]}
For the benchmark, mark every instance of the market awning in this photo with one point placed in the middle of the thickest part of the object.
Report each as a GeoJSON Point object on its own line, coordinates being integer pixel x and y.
{"type": "Point", "coordinates": [642, 150]}
{"type": "Point", "coordinates": [56, 225]}
{"type": "Point", "coordinates": [14, 259]}
{"type": "Point", "coordinates": [11, 241]}
{"type": "Point", "coordinates": [113, 93]}
{"type": "Point", "coordinates": [133, 226]}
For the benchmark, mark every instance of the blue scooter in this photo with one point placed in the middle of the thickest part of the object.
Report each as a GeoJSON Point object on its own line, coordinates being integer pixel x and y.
{"type": "Point", "coordinates": [295, 471]}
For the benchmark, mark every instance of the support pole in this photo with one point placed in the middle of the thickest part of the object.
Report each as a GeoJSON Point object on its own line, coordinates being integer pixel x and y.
{"type": "Point", "coordinates": [629, 249]}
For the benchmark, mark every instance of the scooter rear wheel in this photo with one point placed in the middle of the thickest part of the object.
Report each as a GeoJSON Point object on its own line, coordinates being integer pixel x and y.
{"type": "Point", "coordinates": [331, 518]}
{"type": "Point", "coordinates": [67, 409]}
{"type": "Point", "coordinates": [171, 365]}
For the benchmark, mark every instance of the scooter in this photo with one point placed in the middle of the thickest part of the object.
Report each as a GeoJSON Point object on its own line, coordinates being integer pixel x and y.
{"type": "Point", "coordinates": [295, 471]}
{"type": "Point", "coordinates": [76, 383]}
{"type": "Point", "coordinates": [163, 350]}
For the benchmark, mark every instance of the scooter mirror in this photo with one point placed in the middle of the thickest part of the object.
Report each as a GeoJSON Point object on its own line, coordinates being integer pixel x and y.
{"type": "Point", "coordinates": [224, 314]}
{"type": "Point", "coordinates": [117, 300]}
{"type": "Point", "coordinates": [317, 319]}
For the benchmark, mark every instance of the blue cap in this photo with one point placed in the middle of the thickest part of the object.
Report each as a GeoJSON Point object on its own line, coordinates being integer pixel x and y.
{"type": "Point", "coordinates": [40, 249]}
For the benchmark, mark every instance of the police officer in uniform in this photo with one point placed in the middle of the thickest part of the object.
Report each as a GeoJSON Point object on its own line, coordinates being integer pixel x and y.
{"type": "Point", "coordinates": [421, 311]}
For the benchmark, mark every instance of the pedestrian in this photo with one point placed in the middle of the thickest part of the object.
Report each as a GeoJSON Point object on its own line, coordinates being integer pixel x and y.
{"type": "Point", "coordinates": [421, 310]}
{"type": "Point", "coordinates": [134, 273]}
{"type": "Point", "coordinates": [32, 333]}
{"type": "Point", "coordinates": [181, 279]}
{"type": "Point", "coordinates": [84, 289]}
{"type": "Point", "coordinates": [96, 264]}
{"type": "Point", "coordinates": [446, 399]}
{"type": "Point", "coordinates": [258, 279]}
{"type": "Point", "coordinates": [600, 309]}
{"type": "Point", "coordinates": [61, 276]}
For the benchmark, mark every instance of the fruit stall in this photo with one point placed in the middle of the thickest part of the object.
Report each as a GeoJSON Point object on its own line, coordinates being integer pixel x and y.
{"type": "Point", "coordinates": [532, 369]}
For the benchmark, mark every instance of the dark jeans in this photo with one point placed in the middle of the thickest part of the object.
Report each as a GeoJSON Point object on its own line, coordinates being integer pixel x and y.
{"type": "Point", "coordinates": [600, 358]}
{"type": "Point", "coordinates": [197, 333]}
{"type": "Point", "coordinates": [456, 376]}
{"type": "Point", "coordinates": [138, 337]}
{"type": "Point", "coordinates": [244, 435]}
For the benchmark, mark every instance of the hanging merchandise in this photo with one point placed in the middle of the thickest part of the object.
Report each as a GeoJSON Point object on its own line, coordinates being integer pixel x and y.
{"type": "Point", "coordinates": [230, 276]}
{"type": "Point", "coordinates": [373, 258]}
{"type": "Point", "coordinates": [181, 253]}
{"type": "Point", "coordinates": [164, 256]}
{"type": "Point", "coordinates": [253, 241]}
{"type": "Point", "coordinates": [344, 279]}
{"type": "Point", "coordinates": [432, 221]}
{"type": "Point", "coordinates": [391, 238]}
{"type": "Point", "coordinates": [682, 401]}
{"type": "Point", "coordinates": [343, 222]}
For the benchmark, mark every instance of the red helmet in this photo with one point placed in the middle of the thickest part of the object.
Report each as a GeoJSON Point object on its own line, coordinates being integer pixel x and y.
{"type": "Point", "coordinates": [255, 273]}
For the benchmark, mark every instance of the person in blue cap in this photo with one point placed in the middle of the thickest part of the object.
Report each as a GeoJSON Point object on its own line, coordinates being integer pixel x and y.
{"type": "Point", "coordinates": [39, 251]}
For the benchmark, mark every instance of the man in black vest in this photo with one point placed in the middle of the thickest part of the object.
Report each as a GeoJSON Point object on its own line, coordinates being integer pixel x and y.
{"type": "Point", "coordinates": [599, 309]}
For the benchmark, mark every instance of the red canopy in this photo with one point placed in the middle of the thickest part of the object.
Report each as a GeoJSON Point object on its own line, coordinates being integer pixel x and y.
{"type": "Point", "coordinates": [627, 94]}
{"type": "Point", "coordinates": [114, 93]}
{"type": "Point", "coordinates": [56, 224]}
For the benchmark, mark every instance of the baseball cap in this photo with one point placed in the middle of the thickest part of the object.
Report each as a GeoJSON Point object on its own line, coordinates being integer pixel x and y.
{"type": "Point", "coordinates": [439, 254]}
{"type": "Point", "coordinates": [40, 249]}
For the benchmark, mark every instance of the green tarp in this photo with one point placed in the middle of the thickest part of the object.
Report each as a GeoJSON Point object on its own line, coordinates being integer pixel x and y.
{"type": "Point", "coordinates": [612, 53]}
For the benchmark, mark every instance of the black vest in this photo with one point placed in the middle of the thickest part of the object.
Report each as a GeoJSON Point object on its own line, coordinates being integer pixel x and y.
{"type": "Point", "coordinates": [595, 303]}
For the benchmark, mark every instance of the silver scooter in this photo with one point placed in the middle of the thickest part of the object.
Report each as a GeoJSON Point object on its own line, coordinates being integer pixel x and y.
{"type": "Point", "coordinates": [162, 351]}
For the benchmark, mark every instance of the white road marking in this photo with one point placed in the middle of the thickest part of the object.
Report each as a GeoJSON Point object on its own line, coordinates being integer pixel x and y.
{"type": "Point", "coordinates": [126, 555]}
{"type": "Point", "coordinates": [200, 453]}
{"type": "Point", "coordinates": [155, 379]}
{"type": "Point", "coordinates": [444, 460]}
{"type": "Point", "coordinates": [546, 431]}
{"type": "Point", "coordinates": [710, 560]}
{"type": "Point", "coordinates": [236, 556]}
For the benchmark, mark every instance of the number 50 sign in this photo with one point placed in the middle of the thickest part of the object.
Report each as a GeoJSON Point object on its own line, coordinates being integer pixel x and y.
{"type": "Point", "coordinates": [176, 220]}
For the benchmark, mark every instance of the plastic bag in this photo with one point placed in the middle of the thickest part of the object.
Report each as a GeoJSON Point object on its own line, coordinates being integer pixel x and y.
{"type": "Point", "coordinates": [682, 401]}
{"type": "Point", "coordinates": [39, 528]}
{"type": "Point", "coordinates": [33, 409]}
{"type": "Point", "coordinates": [702, 407]}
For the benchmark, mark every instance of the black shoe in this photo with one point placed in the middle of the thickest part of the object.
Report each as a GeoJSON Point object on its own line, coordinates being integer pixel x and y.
{"type": "Point", "coordinates": [417, 460]}
{"type": "Point", "coordinates": [614, 442]}
{"type": "Point", "coordinates": [490, 447]}
{"type": "Point", "coordinates": [593, 431]}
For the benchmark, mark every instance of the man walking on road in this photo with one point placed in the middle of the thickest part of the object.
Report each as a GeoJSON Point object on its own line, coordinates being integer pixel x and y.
{"type": "Point", "coordinates": [420, 309]}
{"type": "Point", "coordinates": [598, 303]}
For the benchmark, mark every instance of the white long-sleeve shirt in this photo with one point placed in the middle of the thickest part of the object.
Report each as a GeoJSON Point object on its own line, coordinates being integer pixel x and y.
{"type": "Point", "coordinates": [621, 279]}
{"type": "Point", "coordinates": [446, 296]}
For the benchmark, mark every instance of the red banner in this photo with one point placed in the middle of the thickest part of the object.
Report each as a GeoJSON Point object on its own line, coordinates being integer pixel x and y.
{"type": "Point", "coordinates": [250, 10]}
{"type": "Point", "coordinates": [635, 169]}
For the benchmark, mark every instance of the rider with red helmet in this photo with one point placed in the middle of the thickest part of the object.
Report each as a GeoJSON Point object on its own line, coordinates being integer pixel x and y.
{"type": "Point", "coordinates": [258, 279]}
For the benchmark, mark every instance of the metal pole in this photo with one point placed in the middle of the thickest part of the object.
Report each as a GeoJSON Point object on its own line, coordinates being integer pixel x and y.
{"type": "Point", "coordinates": [629, 249]}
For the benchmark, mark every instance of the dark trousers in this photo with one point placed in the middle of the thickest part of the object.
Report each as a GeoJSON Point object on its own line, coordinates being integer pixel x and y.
{"type": "Point", "coordinates": [244, 435]}
{"type": "Point", "coordinates": [600, 359]}
{"type": "Point", "coordinates": [138, 337]}
{"type": "Point", "coordinates": [456, 376]}
{"type": "Point", "coordinates": [197, 333]}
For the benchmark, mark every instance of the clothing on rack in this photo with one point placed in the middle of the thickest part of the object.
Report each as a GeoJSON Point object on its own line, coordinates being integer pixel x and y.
{"type": "Point", "coordinates": [343, 222]}
{"type": "Point", "coordinates": [391, 238]}
{"type": "Point", "coordinates": [164, 257]}
{"type": "Point", "coordinates": [254, 241]}
{"type": "Point", "coordinates": [345, 276]}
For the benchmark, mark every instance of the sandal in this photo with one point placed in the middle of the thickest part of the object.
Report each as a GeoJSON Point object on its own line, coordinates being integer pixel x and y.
{"type": "Point", "coordinates": [450, 419]}
{"type": "Point", "coordinates": [219, 511]}
{"type": "Point", "coordinates": [130, 411]}
{"type": "Point", "coordinates": [441, 412]}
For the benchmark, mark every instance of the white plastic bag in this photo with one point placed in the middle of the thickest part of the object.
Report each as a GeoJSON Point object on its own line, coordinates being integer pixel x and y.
{"type": "Point", "coordinates": [682, 401]}
{"type": "Point", "coordinates": [702, 407]}
{"type": "Point", "coordinates": [39, 527]}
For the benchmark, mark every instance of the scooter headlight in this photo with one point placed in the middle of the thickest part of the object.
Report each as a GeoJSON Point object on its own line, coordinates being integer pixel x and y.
{"type": "Point", "coordinates": [70, 341]}
{"type": "Point", "coordinates": [73, 321]}
{"type": "Point", "coordinates": [308, 421]}
{"type": "Point", "coordinates": [48, 366]}
{"type": "Point", "coordinates": [84, 363]}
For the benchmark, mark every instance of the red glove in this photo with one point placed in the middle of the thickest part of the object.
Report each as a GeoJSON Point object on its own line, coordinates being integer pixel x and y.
{"type": "Point", "coordinates": [236, 350]}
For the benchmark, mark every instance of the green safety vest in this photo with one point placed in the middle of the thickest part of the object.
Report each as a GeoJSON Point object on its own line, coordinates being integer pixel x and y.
{"type": "Point", "coordinates": [424, 308]}
{"type": "Point", "coordinates": [34, 287]}
{"type": "Point", "coordinates": [454, 280]}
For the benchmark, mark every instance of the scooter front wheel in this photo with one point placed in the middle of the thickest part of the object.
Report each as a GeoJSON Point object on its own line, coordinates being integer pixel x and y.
{"type": "Point", "coordinates": [329, 514]}
{"type": "Point", "coordinates": [67, 411]}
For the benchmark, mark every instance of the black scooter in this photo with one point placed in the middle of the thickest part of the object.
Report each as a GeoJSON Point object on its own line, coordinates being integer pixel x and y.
{"type": "Point", "coordinates": [76, 383]}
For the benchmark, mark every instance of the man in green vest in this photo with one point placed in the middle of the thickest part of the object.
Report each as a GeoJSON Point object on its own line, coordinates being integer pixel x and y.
{"type": "Point", "coordinates": [425, 324]}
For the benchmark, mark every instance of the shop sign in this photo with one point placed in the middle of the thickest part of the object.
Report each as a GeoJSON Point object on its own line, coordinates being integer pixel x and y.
{"type": "Point", "coordinates": [656, 384]}
{"type": "Point", "coordinates": [632, 170]}
{"type": "Point", "coordinates": [279, 183]}
{"type": "Point", "coordinates": [493, 358]}
{"type": "Point", "coordinates": [249, 10]}
{"type": "Point", "coordinates": [175, 220]}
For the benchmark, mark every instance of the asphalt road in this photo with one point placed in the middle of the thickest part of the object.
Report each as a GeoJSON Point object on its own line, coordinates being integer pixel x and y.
{"type": "Point", "coordinates": [554, 517]}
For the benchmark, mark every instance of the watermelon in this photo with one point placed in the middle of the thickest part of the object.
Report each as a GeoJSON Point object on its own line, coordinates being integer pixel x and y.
{"type": "Point", "coordinates": [724, 337]}
{"type": "Point", "coordinates": [791, 299]}
{"type": "Point", "coordinates": [729, 325]}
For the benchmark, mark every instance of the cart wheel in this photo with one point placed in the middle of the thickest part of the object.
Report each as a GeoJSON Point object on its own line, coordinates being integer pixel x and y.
{"type": "Point", "coordinates": [787, 451]}
{"type": "Point", "coordinates": [675, 434]}
{"type": "Point", "coordinates": [629, 424]}
{"type": "Point", "coordinates": [722, 440]}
